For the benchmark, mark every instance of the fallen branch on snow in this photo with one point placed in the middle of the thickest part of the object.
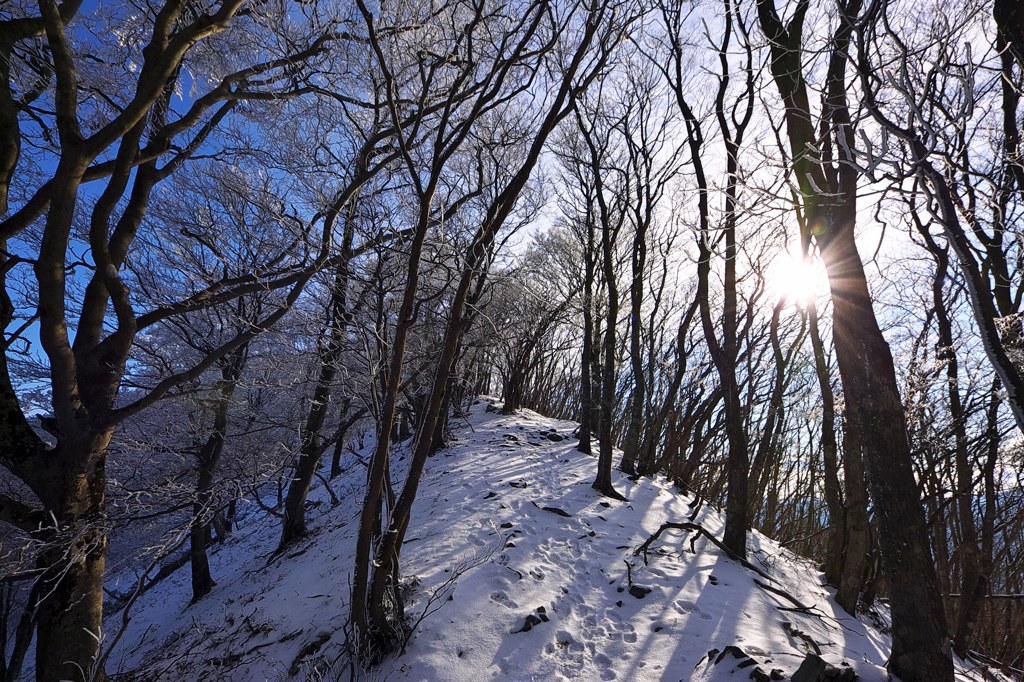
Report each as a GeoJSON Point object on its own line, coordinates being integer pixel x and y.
{"type": "Point", "coordinates": [700, 530]}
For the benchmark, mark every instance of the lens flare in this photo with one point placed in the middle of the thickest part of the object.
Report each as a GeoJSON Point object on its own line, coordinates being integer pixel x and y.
{"type": "Point", "coordinates": [796, 279]}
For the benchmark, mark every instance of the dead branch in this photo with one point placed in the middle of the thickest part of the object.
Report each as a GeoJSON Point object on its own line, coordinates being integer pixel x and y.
{"type": "Point", "coordinates": [700, 530]}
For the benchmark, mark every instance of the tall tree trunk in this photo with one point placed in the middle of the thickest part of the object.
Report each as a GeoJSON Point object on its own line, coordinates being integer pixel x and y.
{"type": "Point", "coordinates": [369, 619]}
{"type": "Point", "coordinates": [631, 446]}
{"type": "Point", "coordinates": [455, 388]}
{"type": "Point", "coordinates": [973, 583]}
{"type": "Point", "coordinates": [829, 453]}
{"type": "Point", "coordinates": [856, 549]}
{"type": "Point", "coordinates": [610, 221]}
{"type": "Point", "coordinates": [70, 616]}
{"type": "Point", "coordinates": [329, 356]}
{"type": "Point", "coordinates": [587, 423]}
{"type": "Point", "coordinates": [920, 649]}
{"type": "Point", "coordinates": [203, 508]}
{"type": "Point", "coordinates": [724, 353]}
{"type": "Point", "coordinates": [602, 482]}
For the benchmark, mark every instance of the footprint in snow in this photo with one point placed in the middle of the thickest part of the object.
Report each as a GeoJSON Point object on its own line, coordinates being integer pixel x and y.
{"type": "Point", "coordinates": [604, 664]}
{"type": "Point", "coordinates": [686, 607]}
{"type": "Point", "coordinates": [658, 626]}
{"type": "Point", "coordinates": [503, 599]}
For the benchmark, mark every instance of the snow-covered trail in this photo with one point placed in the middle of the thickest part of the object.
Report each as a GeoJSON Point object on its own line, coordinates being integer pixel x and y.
{"type": "Point", "coordinates": [574, 569]}
{"type": "Point", "coordinates": [527, 573]}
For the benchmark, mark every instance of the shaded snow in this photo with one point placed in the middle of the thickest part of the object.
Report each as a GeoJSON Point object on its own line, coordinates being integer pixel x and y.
{"type": "Point", "coordinates": [487, 557]}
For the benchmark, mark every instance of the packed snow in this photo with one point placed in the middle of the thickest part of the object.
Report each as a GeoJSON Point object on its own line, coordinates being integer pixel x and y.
{"type": "Point", "coordinates": [520, 571]}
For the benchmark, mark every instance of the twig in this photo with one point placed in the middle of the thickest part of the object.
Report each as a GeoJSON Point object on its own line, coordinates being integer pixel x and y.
{"type": "Point", "coordinates": [671, 525]}
{"type": "Point", "coordinates": [327, 484]}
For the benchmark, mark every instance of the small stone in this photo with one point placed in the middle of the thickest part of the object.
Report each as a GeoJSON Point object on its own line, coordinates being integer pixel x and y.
{"type": "Point", "coordinates": [528, 624]}
{"type": "Point", "coordinates": [759, 675]}
{"type": "Point", "coordinates": [556, 510]}
{"type": "Point", "coordinates": [735, 651]}
{"type": "Point", "coordinates": [639, 591]}
{"type": "Point", "coordinates": [815, 669]}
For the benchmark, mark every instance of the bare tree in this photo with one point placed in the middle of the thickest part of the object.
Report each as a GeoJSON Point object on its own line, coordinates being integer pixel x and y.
{"type": "Point", "coordinates": [132, 139]}
{"type": "Point", "coordinates": [597, 133]}
{"type": "Point", "coordinates": [973, 198]}
{"type": "Point", "coordinates": [499, 71]}
{"type": "Point", "coordinates": [654, 162]}
{"type": "Point", "coordinates": [733, 113]}
{"type": "Point", "coordinates": [827, 177]}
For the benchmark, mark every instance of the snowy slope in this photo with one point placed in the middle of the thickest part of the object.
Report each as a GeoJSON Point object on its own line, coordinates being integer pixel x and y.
{"type": "Point", "coordinates": [525, 572]}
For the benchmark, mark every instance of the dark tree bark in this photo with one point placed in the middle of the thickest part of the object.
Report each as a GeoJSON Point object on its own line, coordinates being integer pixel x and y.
{"type": "Point", "coordinates": [587, 421]}
{"type": "Point", "coordinates": [610, 218]}
{"type": "Point", "coordinates": [603, 481]}
{"type": "Point", "coordinates": [208, 457]}
{"type": "Point", "coordinates": [328, 357]}
{"type": "Point", "coordinates": [857, 534]}
{"type": "Point", "coordinates": [638, 397]}
{"type": "Point", "coordinates": [828, 185]}
{"type": "Point", "coordinates": [1009, 16]}
{"type": "Point", "coordinates": [724, 352]}
{"type": "Point", "coordinates": [849, 542]}
{"type": "Point", "coordinates": [829, 454]}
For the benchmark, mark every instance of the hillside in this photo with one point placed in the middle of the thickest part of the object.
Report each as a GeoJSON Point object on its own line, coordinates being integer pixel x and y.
{"type": "Point", "coordinates": [524, 573]}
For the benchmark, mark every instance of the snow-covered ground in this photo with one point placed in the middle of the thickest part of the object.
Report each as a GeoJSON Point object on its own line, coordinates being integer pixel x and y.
{"type": "Point", "coordinates": [526, 574]}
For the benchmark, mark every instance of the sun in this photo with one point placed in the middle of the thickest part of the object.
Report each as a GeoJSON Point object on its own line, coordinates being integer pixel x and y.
{"type": "Point", "coordinates": [796, 279]}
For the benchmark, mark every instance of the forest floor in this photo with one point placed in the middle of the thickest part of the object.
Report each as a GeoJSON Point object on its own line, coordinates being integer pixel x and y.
{"type": "Point", "coordinates": [524, 573]}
